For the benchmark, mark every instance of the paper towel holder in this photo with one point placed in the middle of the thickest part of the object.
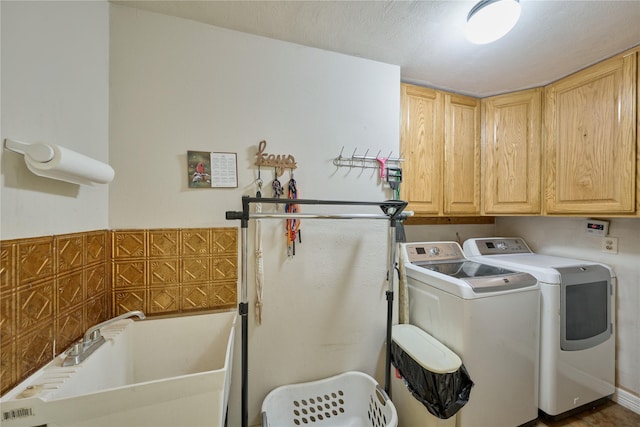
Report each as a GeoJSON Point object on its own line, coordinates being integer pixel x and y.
{"type": "Point", "coordinates": [44, 155]}
{"type": "Point", "coordinates": [39, 152]}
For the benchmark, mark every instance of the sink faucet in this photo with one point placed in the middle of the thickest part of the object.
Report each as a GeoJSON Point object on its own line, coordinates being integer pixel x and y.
{"type": "Point", "coordinates": [93, 333]}
{"type": "Point", "coordinates": [92, 339]}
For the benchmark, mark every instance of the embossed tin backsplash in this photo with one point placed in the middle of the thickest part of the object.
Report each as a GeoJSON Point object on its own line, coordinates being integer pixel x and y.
{"type": "Point", "coordinates": [53, 288]}
{"type": "Point", "coordinates": [173, 270]}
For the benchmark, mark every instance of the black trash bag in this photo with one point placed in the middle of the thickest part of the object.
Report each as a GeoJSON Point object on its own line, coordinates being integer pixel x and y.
{"type": "Point", "coordinates": [442, 394]}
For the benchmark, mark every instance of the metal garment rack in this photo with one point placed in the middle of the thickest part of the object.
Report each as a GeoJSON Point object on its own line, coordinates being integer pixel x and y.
{"type": "Point", "coordinates": [391, 211]}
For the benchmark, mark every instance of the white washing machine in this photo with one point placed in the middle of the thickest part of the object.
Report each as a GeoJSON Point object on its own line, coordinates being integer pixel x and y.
{"type": "Point", "coordinates": [487, 315]}
{"type": "Point", "coordinates": [577, 334]}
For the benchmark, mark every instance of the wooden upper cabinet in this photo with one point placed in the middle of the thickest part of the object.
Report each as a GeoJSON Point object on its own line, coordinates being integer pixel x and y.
{"type": "Point", "coordinates": [461, 155]}
{"type": "Point", "coordinates": [638, 132]}
{"type": "Point", "coordinates": [440, 143]}
{"type": "Point", "coordinates": [511, 151]}
{"type": "Point", "coordinates": [590, 144]}
{"type": "Point", "coordinates": [421, 144]}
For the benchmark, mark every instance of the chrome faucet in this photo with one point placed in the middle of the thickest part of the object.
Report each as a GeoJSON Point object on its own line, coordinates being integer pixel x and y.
{"type": "Point", "coordinates": [93, 333]}
{"type": "Point", "coordinates": [92, 339]}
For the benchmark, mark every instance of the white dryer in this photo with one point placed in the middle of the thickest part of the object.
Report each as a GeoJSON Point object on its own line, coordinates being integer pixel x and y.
{"type": "Point", "coordinates": [489, 316]}
{"type": "Point", "coordinates": [577, 334]}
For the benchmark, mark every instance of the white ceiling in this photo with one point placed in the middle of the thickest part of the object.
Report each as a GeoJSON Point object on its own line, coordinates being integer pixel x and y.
{"type": "Point", "coordinates": [551, 40]}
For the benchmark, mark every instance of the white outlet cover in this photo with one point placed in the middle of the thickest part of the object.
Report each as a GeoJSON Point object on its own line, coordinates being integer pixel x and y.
{"type": "Point", "coordinates": [610, 245]}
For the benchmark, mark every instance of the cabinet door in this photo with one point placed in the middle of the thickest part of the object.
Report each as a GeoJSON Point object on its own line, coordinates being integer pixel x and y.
{"type": "Point", "coordinates": [591, 140]}
{"type": "Point", "coordinates": [511, 152]}
{"type": "Point", "coordinates": [461, 155]}
{"type": "Point", "coordinates": [638, 131]}
{"type": "Point", "coordinates": [421, 144]}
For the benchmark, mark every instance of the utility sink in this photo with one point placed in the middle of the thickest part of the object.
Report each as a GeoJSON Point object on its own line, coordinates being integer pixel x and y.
{"type": "Point", "coordinates": [155, 372]}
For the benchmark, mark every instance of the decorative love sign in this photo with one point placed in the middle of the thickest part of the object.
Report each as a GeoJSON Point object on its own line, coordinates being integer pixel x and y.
{"type": "Point", "coordinates": [278, 161]}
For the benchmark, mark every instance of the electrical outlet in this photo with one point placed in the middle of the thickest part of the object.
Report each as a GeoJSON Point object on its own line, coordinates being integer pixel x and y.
{"type": "Point", "coordinates": [610, 245]}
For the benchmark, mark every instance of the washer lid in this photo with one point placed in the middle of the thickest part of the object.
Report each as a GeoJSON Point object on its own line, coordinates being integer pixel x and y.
{"type": "Point", "coordinates": [430, 353]}
{"type": "Point", "coordinates": [465, 269]}
{"type": "Point", "coordinates": [481, 277]}
{"type": "Point", "coordinates": [513, 253]}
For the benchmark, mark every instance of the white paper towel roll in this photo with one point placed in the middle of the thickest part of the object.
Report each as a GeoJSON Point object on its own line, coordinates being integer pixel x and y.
{"type": "Point", "coordinates": [70, 166]}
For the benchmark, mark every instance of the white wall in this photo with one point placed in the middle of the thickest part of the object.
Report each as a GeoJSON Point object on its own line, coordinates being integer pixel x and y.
{"type": "Point", "coordinates": [204, 88]}
{"type": "Point", "coordinates": [567, 237]}
{"type": "Point", "coordinates": [178, 85]}
{"type": "Point", "coordinates": [55, 58]}
{"type": "Point", "coordinates": [448, 233]}
{"type": "Point", "coordinates": [1, 184]}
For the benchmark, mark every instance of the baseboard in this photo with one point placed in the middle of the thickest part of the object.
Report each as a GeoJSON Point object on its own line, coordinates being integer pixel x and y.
{"type": "Point", "coordinates": [628, 400]}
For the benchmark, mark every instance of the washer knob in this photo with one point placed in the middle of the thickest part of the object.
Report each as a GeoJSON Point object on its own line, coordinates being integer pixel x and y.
{"type": "Point", "coordinates": [501, 245]}
{"type": "Point", "coordinates": [434, 250]}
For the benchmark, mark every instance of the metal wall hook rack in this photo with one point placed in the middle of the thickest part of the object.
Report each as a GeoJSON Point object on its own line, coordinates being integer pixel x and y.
{"type": "Point", "coordinates": [365, 161]}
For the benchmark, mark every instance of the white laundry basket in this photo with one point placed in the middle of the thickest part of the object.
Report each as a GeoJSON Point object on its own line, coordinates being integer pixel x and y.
{"type": "Point", "coordinates": [351, 399]}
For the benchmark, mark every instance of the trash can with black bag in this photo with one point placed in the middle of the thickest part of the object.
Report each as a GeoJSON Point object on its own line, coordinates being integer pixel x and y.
{"type": "Point", "coordinates": [430, 384]}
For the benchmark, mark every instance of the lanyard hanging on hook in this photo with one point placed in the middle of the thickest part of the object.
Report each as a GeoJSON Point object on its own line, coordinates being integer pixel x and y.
{"type": "Point", "coordinates": [276, 185]}
{"type": "Point", "coordinates": [259, 184]}
{"type": "Point", "coordinates": [292, 224]}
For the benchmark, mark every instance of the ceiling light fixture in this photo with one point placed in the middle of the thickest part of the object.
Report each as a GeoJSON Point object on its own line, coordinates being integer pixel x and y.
{"type": "Point", "coordinates": [489, 20]}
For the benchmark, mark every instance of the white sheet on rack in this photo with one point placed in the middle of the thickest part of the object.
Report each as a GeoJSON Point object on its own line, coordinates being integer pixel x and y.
{"type": "Point", "coordinates": [403, 292]}
{"type": "Point", "coordinates": [259, 267]}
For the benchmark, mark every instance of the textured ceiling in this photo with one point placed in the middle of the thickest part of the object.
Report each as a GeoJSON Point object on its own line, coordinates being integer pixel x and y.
{"type": "Point", "coordinates": [425, 38]}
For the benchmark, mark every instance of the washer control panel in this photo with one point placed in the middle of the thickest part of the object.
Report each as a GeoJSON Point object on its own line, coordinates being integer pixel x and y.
{"type": "Point", "coordinates": [496, 246]}
{"type": "Point", "coordinates": [433, 251]}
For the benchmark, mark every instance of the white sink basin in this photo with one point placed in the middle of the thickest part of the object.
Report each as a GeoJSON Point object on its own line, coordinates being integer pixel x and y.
{"type": "Point", "coordinates": [156, 372]}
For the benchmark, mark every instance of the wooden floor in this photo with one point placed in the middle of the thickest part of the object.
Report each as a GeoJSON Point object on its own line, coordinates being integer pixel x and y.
{"type": "Point", "coordinates": [609, 414]}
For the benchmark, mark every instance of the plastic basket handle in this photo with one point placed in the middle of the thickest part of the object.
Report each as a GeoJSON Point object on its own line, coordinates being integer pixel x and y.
{"type": "Point", "coordinates": [382, 395]}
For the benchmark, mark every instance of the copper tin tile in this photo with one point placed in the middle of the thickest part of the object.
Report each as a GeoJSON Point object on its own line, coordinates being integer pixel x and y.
{"type": "Point", "coordinates": [96, 247]}
{"type": "Point", "coordinates": [225, 240]}
{"type": "Point", "coordinates": [129, 300]}
{"type": "Point", "coordinates": [223, 295]}
{"type": "Point", "coordinates": [164, 272]}
{"type": "Point", "coordinates": [7, 316]}
{"type": "Point", "coordinates": [35, 349]}
{"type": "Point", "coordinates": [8, 368]}
{"type": "Point", "coordinates": [70, 252]}
{"type": "Point", "coordinates": [195, 270]}
{"type": "Point", "coordinates": [69, 327]}
{"type": "Point", "coordinates": [164, 300]}
{"type": "Point", "coordinates": [128, 244]}
{"type": "Point", "coordinates": [96, 280]}
{"type": "Point", "coordinates": [70, 291]}
{"type": "Point", "coordinates": [164, 243]}
{"type": "Point", "coordinates": [196, 297]}
{"type": "Point", "coordinates": [96, 311]}
{"type": "Point", "coordinates": [7, 266]}
{"type": "Point", "coordinates": [35, 305]}
{"type": "Point", "coordinates": [225, 268]}
{"type": "Point", "coordinates": [127, 274]}
{"type": "Point", "coordinates": [35, 260]}
{"type": "Point", "coordinates": [196, 241]}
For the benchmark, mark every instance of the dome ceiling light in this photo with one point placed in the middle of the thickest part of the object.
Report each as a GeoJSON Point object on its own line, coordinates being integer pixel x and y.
{"type": "Point", "coordinates": [489, 20]}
